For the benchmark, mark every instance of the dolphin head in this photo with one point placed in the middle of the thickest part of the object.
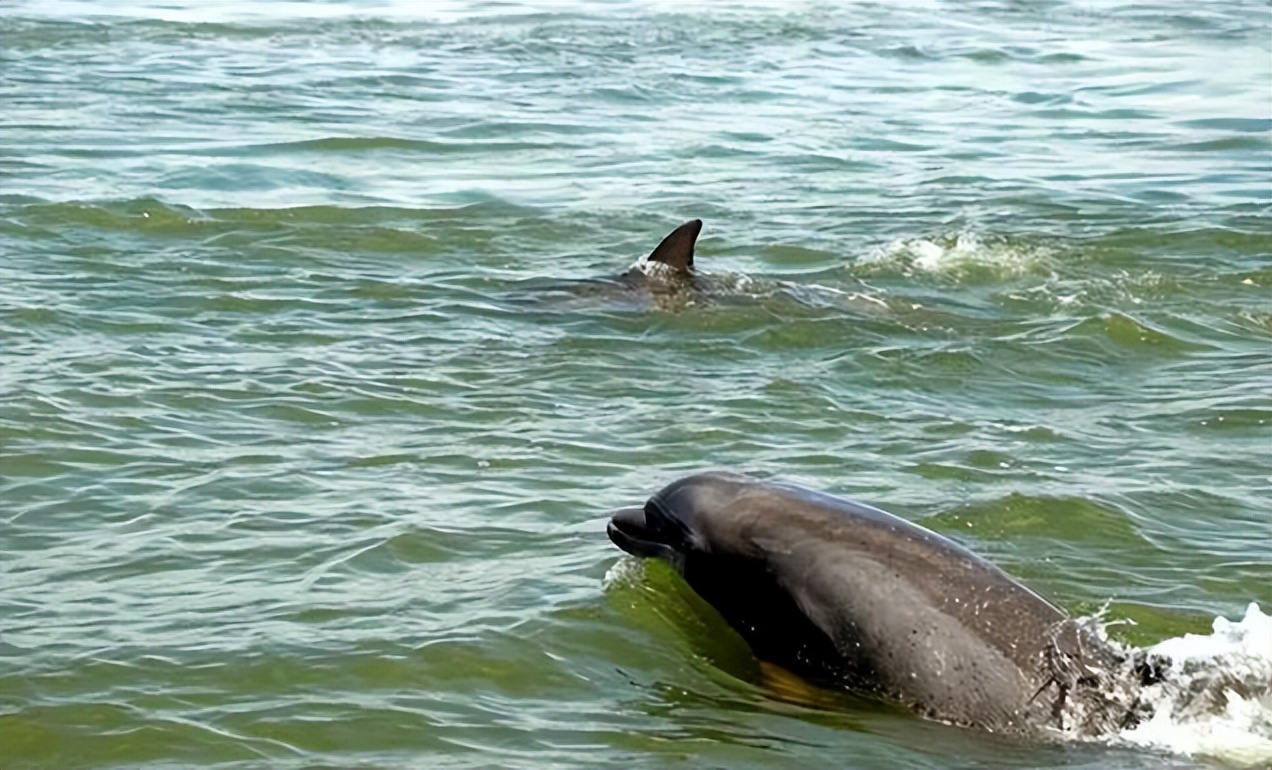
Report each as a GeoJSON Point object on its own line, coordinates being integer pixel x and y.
{"type": "Point", "coordinates": [651, 531]}
{"type": "Point", "coordinates": [671, 525]}
{"type": "Point", "coordinates": [704, 526]}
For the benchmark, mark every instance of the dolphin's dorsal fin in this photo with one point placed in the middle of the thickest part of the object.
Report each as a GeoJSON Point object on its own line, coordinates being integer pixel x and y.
{"type": "Point", "coordinates": [676, 250]}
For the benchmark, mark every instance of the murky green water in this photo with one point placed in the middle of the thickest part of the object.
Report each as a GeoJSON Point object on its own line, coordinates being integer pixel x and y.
{"type": "Point", "coordinates": [314, 395]}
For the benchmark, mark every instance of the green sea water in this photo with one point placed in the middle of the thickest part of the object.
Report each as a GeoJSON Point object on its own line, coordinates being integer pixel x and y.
{"type": "Point", "coordinates": [316, 388]}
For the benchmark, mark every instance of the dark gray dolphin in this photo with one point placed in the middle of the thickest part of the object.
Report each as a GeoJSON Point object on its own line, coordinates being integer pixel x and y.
{"type": "Point", "coordinates": [665, 278]}
{"type": "Point", "coordinates": [849, 595]}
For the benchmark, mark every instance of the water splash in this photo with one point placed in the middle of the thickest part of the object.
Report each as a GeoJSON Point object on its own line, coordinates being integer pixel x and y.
{"type": "Point", "coordinates": [1214, 696]}
{"type": "Point", "coordinates": [960, 254]}
{"type": "Point", "coordinates": [623, 572]}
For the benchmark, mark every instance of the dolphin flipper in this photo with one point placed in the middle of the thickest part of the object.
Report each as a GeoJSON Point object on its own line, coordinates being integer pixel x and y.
{"type": "Point", "coordinates": [676, 250]}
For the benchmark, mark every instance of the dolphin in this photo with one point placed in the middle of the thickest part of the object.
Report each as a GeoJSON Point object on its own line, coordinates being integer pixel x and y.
{"type": "Point", "coordinates": [850, 596]}
{"type": "Point", "coordinates": [666, 278]}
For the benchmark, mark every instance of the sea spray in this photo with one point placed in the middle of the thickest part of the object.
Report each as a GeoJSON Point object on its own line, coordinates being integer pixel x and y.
{"type": "Point", "coordinates": [1213, 694]}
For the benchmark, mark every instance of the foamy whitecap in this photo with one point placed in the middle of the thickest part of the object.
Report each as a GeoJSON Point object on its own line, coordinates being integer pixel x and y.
{"type": "Point", "coordinates": [1215, 693]}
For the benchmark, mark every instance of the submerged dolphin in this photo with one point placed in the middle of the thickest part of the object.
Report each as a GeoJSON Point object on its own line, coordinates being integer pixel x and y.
{"type": "Point", "coordinates": [665, 278]}
{"type": "Point", "coordinates": [849, 595]}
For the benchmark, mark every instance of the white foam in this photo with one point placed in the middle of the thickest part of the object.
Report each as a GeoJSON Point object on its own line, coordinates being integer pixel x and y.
{"type": "Point", "coordinates": [658, 270]}
{"type": "Point", "coordinates": [1215, 697]}
{"type": "Point", "coordinates": [957, 252]}
{"type": "Point", "coordinates": [625, 571]}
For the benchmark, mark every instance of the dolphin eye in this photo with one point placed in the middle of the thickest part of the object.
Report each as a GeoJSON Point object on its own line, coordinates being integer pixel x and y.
{"type": "Point", "coordinates": [653, 515]}
{"type": "Point", "coordinates": [655, 519]}
{"type": "Point", "coordinates": [666, 527]}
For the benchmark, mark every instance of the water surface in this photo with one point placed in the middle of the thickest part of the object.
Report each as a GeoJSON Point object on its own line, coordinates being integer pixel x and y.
{"type": "Point", "coordinates": [314, 395]}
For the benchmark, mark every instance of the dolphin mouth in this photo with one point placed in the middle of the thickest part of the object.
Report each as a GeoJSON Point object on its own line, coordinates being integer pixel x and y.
{"type": "Point", "coordinates": [628, 530]}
